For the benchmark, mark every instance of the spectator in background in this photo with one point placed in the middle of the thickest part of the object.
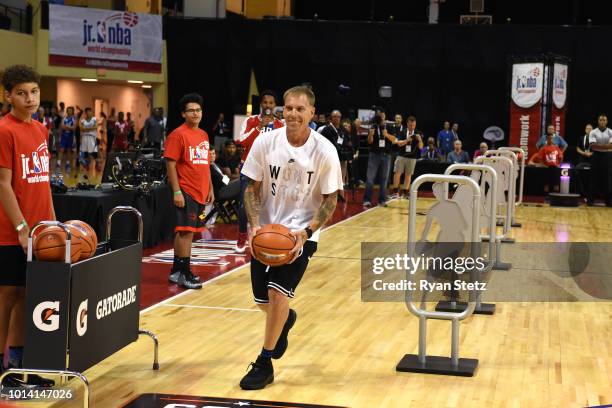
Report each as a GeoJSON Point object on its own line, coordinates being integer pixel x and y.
{"type": "Point", "coordinates": [431, 152]}
{"type": "Point", "coordinates": [600, 142]}
{"type": "Point", "coordinates": [445, 140]}
{"type": "Point", "coordinates": [336, 134]}
{"type": "Point", "coordinates": [455, 131]}
{"type": "Point", "coordinates": [132, 130]}
{"type": "Point", "coordinates": [55, 129]}
{"type": "Point", "coordinates": [347, 151]}
{"type": "Point", "coordinates": [584, 149]}
{"type": "Point", "coordinates": [121, 133]}
{"type": "Point", "coordinates": [355, 145]}
{"type": "Point", "coordinates": [397, 127]}
{"type": "Point", "coordinates": [69, 124]}
{"type": "Point", "coordinates": [229, 160]}
{"type": "Point", "coordinates": [380, 142]}
{"type": "Point", "coordinates": [102, 140]}
{"type": "Point", "coordinates": [482, 150]}
{"type": "Point", "coordinates": [62, 109]}
{"type": "Point", "coordinates": [110, 129]}
{"type": "Point", "coordinates": [549, 155]}
{"type": "Point", "coordinates": [458, 155]}
{"type": "Point", "coordinates": [221, 132]}
{"type": "Point", "coordinates": [47, 122]}
{"type": "Point", "coordinates": [278, 113]}
{"type": "Point", "coordinates": [153, 130]}
{"type": "Point", "coordinates": [409, 143]}
{"type": "Point", "coordinates": [313, 123]}
{"type": "Point", "coordinates": [557, 139]}
{"type": "Point", "coordinates": [89, 140]}
{"type": "Point", "coordinates": [321, 121]}
{"type": "Point", "coordinates": [251, 128]}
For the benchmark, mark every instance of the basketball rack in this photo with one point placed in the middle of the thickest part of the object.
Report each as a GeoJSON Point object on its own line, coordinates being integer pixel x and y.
{"type": "Point", "coordinates": [78, 331]}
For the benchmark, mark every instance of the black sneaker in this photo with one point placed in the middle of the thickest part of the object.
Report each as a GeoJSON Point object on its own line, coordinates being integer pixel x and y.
{"type": "Point", "coordinates": [39, 381]}
{"type": "Point", "coordinates": [174, 276]}
{"type": "Point", "coordinates": [282, 342]}
{"type": "Point", "coordinates": [260, 375]}
{"type": "Point", "coordinates": [186, 280]}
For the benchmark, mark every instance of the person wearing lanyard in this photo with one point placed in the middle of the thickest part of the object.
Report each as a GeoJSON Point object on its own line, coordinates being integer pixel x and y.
{"type": "Point", "coordinates": [583, 148]}
{"type": "Point", "coordinates": [380, 142]}
{"type": "Point", "coordinates": [409, 143]}
{"type": "Point", "coordinates": [600, 142]}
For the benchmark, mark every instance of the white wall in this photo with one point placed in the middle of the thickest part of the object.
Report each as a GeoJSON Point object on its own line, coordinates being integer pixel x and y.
{"type": "Point", "coordinates": [204, 8]}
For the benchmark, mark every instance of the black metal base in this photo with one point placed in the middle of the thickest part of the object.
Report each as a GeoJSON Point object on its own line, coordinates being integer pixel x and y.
{"type": "Point", "coordinates": [516, 225]}
{"type": "Point", "coordinates": [508, 240]}
{"type": "Point", "coordinates": [438, 365]}
{"type": "Point", "coordinates": [564, 200]}
{"type": "Point", "coordinates": [458, 307]}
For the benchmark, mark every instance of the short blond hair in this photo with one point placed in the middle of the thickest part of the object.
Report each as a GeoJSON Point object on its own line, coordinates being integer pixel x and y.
{"type": "Point", "coordinates": [300, 90]}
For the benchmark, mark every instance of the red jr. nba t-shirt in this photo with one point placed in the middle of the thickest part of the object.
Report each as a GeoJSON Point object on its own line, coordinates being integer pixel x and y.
{"type": "Point", "coordinates": [190, 148]}
{"type": "Point", "coordinates": [551, 155]}
{"type": "Point", "coordinates": [23, 149]}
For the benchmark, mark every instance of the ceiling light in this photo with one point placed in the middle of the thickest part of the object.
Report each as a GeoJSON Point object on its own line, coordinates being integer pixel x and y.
{"type": "Point", "coordinates": [147, 86]}
{"type": "Point", "coordinates": [132, 81]}
{"type": "Point", "coordinates": [89, 80]}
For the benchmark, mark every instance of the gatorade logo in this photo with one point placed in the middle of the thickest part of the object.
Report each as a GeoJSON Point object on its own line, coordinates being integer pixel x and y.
{"type": "Point", "coordinates": [81, 318]}
{"type": "Point", "coordinates": [46, 316]}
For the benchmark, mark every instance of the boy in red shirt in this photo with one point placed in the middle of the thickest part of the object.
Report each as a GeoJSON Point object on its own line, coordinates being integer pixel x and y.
{"type": "Point", "coordinates": [187, 161]}
{"type": "Point", "coordinates": [25, 199]}
{"type": "Point", "coordinates": [551, 156]}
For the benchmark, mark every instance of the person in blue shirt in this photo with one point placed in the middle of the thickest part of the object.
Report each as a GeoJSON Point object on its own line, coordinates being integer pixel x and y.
{"type": "Point", "coordinates": [557, 139]}
{"type": "Point", "coordinates": [458, 155]}
{"type": "Point", "coordinates": [446, 139]}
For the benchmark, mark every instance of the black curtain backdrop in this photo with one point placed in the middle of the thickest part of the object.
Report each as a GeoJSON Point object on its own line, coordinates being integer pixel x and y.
{"type": "Point", "coordinates": [441, 72]}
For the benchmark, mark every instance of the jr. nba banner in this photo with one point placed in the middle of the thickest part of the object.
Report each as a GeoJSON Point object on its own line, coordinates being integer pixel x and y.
{"type": "Point", "coordinates": [559, 97]}
{"type": "Point", "coordinates": [526, 105]}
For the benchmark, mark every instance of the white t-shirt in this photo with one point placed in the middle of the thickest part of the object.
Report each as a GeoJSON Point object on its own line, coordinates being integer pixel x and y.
{"type": "Point", "coordinates": [598, 137]}
{"type": "Point", "coordinates": [88, 124]}
{"type": "Point", "coordinates": [294, 179]}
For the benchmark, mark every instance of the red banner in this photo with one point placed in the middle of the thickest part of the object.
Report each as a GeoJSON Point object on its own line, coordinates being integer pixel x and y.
{"type": "Point", "coordinates": [525, 127]}
{"type": "Point", "coordinates": [558, 119]}
{"type": "Point", "coordinates": [526, 105]}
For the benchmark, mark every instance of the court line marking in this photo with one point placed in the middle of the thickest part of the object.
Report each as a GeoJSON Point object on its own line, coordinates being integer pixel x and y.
{"type": "Point", "coordinates": [212, 307]}
{"type": "Point", "coordinates": [178, 295]}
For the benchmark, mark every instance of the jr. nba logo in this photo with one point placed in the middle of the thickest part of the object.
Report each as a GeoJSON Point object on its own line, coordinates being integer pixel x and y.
{"type": "Point", "coordinates": [36, 162]}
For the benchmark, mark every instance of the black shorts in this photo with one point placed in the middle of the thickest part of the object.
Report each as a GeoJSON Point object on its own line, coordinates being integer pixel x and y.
{"type": "Point", "coordinates": [13, 261]}
{"type": "Point", "coordinates": [191, 217]}
{"type": "Point", "coordinates": [283, 278]}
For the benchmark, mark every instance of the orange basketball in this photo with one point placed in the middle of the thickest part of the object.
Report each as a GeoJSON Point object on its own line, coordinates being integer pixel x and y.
{"type": "Point", "coordinates": [272, 243]}
{"type": "Point", "coordinates": [50, 245]}
{"type": "Point", "coordinates": [90, 239]}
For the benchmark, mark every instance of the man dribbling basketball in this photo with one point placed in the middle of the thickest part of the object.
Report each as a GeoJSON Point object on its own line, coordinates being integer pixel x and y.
{"type": "Point", "coordinates": [294, 178]}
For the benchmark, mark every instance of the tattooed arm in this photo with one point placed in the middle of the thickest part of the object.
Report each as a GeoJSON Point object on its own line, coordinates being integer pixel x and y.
{"type": "Point", "coordinates": [322, 215]}
{"type": "Point", "coordinates": [252, 205]}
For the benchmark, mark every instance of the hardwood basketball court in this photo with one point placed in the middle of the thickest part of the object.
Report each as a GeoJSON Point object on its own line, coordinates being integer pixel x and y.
{"type": "Point", "coordinates": [344, 352]}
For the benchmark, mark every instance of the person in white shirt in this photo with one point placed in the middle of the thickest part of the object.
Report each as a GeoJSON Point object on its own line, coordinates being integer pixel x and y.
{"type": "Point", "coordinates": [600, 142]}
{"type": "Point", "coordinates": [294, 178]}
{"type": "Point", "coordinates": [89, 139]}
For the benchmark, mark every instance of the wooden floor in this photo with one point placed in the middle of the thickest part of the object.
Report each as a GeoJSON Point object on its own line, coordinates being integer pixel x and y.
{"type": "Point", "coordinates": [344, 352]}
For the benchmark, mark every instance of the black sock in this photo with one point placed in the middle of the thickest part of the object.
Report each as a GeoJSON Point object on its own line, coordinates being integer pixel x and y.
{"type": "Point", "coordinates": [267, 354]}
{"type": "Point", "coordinates": [175, 263]}
{"type": "Point", "coordinates": [184, 264]}
{"type": "Point", "coordinates": [15, 357]}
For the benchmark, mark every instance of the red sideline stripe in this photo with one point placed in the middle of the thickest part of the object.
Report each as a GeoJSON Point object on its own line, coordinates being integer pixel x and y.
{"type": "Point", "coordinates": [190, 229]}
{"type": "Point", "coordinates": [120, 65]}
